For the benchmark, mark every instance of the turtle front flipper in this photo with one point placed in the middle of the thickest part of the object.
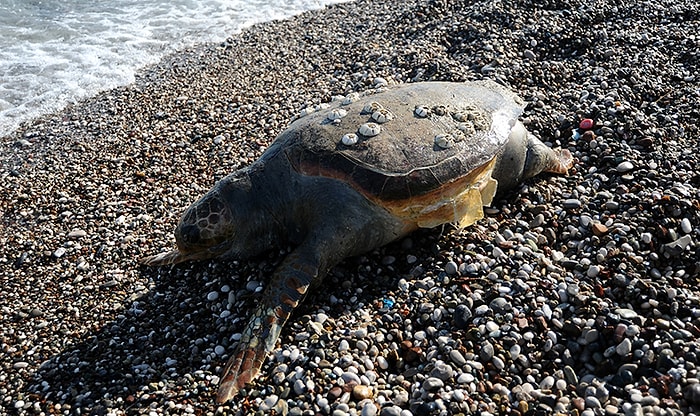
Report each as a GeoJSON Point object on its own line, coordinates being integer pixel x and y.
{"type": "Point", "coordinates": [289, 285]}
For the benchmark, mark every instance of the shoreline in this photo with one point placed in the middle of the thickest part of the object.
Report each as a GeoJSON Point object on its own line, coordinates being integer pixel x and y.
{"type": "Point", "coordinates": [575, 294]}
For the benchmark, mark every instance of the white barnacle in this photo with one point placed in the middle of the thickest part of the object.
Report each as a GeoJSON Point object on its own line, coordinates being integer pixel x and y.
{"type": "Point", "coordinates": [382, 116]}
{"type": "Point", "coordinates": [444, 141]}
{"type": "Point", "coordinates": [350, 98]}
{"type": "Point", "coordinates": [458, 135]}
{"type": "Point", "coordinates": [460, 117]}
{"type": "Point", "coordinates": [349, 139]}
{"type": "Point", "coordinates": [421, 111]}
{"type": "Point", "coordinates": [439, 110]}
{"type": "Point", "coordinates": [480, 122]}
{"type": "Point", "coordinates": [306, 111]}
{"type": "Point", "coordinates": [369, 129]}
{"type": "Point", "coordinates": [467, 128]}
{"type": "Point", "coordinates": [371, 107]}
{"type": "Point", "coordinates": [336, 114]}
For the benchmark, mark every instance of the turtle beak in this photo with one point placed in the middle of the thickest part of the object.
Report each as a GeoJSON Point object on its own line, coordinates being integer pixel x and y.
{"type": "Point", "coordinates": [205, 227]}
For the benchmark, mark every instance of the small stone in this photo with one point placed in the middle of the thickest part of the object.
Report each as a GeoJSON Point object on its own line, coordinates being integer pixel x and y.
{"type": "Point", "coordinates": [369, 409]}
{"type": "Point", "coordinates": [442, 371]}
{"type": "Point", "coordinates": [212, 296]}
{"type": "Point", "coordinates": [77, 234]}
{"type": "Point", "coordinates": [624, 347]}
{"type": "Point", "coordinates": [299, 387]}
{"type": "Point", "coordinates": [676, 247]}
{"type": "Point", "coordinates": [451, 268]}
{"type": "Point", "coordinates": [391, 411]}
{"type": "Point", "coordinates": [592, 402]}
{"type": "Point", "coordinates": [625, 166]}
{"type": "Point", "coordinates": [462, 316]}
{"type": "Point", "coordinates": [599, 229]}
{"type": "Point", "coordinates": [528, 54]}
{"type": "Point", "coordinates": [59, 252]}
{"type": "Point", "coordinates": [686, 226]}
{"type": "Point", "coordinates": [593, 270]}
{"type": "Point", "coordinates": [457, 358]}
{"type": "Point", "coordinates": [586, 124]}
{"type": "Point", "coordinates": [572, 203]}
{"type": "Point", "coordinates": [269, 402]}
{"type": "Point", "coordinates": [432, 384]}
{"type": "Point", "coordinates": [361, 392]}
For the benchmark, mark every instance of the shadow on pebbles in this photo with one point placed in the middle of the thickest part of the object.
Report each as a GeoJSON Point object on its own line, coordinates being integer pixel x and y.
{"type": "Point", "coordinates": [576, 295]}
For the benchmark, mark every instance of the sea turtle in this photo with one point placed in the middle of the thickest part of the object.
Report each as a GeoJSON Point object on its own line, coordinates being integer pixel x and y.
{"type": "Point", "coordinates": [353, 176]}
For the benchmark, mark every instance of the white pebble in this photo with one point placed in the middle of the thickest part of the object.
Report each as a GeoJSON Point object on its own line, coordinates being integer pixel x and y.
{"type": "Point", "coordinates": [625, 166]}
{"type": "Point", "coordinates": [213, 296]}
{"type": "Point", "coordinates": [686, 226]}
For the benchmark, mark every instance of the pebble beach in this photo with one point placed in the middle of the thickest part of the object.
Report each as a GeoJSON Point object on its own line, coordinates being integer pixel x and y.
{"type": "Point", "coordinates": [575, 295]}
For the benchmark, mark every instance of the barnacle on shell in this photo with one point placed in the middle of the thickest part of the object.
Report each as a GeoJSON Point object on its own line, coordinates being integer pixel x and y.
{"type": "Point", "coordinates": [371, 107]}
{"type": "Point", "coordinates": [460, 117]}
{"type": "Point", "coordinates": [444, 141]}
{"type": "Point", "coordinates": [439, 110]}
{"type": "Point", "coordinates": [382, 116]}
{"type": "Point", "coordinates": [369, 129]}
{"type": "Point", "coordinates": [349, 139]}
{"type": "Point", "coordinates": [421, 111]}
{"type": "Point", "coordinates": [336, 114]}
{"type": "Point", "coordinates": [467, 128]}
{"type": "Point", "coordinates": [350, 98]}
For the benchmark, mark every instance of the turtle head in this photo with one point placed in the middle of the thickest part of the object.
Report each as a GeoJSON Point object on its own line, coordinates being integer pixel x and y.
{"type": "Point", "coordinates": [213, 225]}
{"type": "Point", "coordinates": [525, 156]}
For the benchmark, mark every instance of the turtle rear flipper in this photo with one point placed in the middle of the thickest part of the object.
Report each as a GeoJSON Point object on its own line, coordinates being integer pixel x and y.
{"type": "Point", "coordinates": [289, 285]}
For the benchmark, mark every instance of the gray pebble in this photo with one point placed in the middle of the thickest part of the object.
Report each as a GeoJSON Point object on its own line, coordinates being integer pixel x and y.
{"type": "Point", "coordinates": [432, 384]}
{"type": "Point", "coordinates": [571, 203]}
{"type": "Point", "coordinates": [625, 166]}
{"type": "Point", "coordinates": [451, 268]}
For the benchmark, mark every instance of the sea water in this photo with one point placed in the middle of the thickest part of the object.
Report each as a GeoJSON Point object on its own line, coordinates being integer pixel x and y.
{"type": "Point", "coordinates": [54, 52]}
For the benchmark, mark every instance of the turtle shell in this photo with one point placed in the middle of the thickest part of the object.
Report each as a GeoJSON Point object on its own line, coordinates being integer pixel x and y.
{"type": "Point", "coordinates": [408, 142]}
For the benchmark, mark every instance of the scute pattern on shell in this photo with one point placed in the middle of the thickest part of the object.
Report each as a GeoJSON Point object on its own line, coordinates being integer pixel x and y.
{"type": "Point", "coordinates": [400, 158]}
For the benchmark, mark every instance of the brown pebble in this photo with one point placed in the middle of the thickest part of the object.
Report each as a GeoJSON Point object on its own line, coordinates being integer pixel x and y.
{"type": "Point", "coordinates": [361, 392]}
{"type": "Point", "coordinates": [334, 393]}
{"type": "Point", "coordinates": [588, 135]}
{"type": "Point", "coordinates": [646, 141]}
{"type": "Point", "coordinates": [599, 229]}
